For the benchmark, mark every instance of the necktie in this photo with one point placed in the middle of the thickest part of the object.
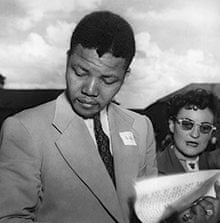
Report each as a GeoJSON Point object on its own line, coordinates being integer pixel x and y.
{"type": "Point", "coordinates": [103, 147]}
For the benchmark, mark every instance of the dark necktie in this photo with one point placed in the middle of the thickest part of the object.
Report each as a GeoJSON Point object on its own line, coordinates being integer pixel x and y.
{"type": "Point", "coordinates": [103, 147]}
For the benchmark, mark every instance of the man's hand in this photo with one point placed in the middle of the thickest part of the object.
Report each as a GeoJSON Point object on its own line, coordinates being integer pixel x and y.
{"type": "Point", "coordinates": [204, 210]}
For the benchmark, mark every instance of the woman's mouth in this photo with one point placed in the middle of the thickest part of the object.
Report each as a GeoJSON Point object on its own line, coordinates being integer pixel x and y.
{"type": "Point", "coordinates": [192, 143]}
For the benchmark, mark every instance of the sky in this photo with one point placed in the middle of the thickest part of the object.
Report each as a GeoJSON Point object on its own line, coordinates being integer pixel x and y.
{"type": "Point", "coordinates": [177, 44]}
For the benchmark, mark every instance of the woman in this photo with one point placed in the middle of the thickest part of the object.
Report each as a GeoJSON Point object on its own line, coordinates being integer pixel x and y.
{"type": "Point", "coordinates": [193, 120]}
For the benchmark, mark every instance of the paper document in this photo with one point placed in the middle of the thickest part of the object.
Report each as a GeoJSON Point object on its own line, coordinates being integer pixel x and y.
{"type": "Point", "coordinates": [157, 197]}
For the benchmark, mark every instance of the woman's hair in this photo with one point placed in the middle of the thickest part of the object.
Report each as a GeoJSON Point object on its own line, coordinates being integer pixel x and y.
{"type": "Point", "coordinates": [194, 99]}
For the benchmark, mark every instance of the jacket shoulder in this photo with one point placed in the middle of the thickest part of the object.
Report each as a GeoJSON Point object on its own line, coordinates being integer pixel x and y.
{"type": "Point", "coordinates": [36, 117]}
{"type": "Point", "coordinates": [213, 158]}
{"type": "Point", "coordinates": [130, 113]}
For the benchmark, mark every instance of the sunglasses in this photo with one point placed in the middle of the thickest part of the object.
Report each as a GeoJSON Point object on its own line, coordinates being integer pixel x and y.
{"type": "Point", "coordinates": [187, 125]}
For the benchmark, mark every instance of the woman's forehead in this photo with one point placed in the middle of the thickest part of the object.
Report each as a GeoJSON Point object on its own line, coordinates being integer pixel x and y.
{"type": "Point", "coordinates": [198, 115]}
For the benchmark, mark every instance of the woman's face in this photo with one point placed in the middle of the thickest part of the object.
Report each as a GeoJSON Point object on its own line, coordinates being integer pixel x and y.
{"type": "Point", "coordinates": [191, 142]}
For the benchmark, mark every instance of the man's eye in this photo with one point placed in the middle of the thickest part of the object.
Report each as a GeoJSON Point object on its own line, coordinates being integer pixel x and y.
{"type": "Point", "coordinates": [109, 80]}
{"type": "Point", "coordinates": [79, 72]}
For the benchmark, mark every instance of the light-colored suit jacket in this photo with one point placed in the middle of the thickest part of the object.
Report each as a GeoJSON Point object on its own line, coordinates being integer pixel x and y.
{"type": "Point", "coordinates": [51, 171]}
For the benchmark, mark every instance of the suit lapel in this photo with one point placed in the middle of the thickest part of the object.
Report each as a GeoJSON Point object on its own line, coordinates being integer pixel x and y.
{"type": "Point", "coordinates": [169, 163]}
{"type": "Point", "coordinates": [79, 151]}
{"type": "Point", "coordinates": [126, 157]}
{"type": "Point", "coordinates": [203, 161]}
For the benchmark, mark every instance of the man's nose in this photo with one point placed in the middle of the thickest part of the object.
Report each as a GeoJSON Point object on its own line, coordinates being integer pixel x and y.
{"type": "Point", "coordinates": [195, 132]}
{"type": "Point", "coordinates": [91, 87]}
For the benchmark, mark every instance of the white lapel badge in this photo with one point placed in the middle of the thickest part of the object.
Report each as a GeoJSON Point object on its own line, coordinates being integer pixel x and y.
{"type": "Point", "coordinates": [128, 138]}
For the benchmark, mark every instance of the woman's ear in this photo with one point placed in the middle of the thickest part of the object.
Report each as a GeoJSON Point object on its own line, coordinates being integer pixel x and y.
{"type": "Point", "coordinates": [213, 139]}
{"type": "Point", "coordinates": [171, 125]}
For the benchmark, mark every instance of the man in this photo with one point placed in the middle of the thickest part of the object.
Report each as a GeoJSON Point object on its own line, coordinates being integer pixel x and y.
{"type": "Point", "coordinates": [51, 169]}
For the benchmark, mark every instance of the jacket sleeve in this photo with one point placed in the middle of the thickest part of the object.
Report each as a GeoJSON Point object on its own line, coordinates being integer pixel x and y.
{"type": "Point", "coordinates": [20, 183]}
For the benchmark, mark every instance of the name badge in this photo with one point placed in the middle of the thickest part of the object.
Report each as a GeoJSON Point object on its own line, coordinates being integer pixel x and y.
{"type": "Point", "coordinates": [128, 138]}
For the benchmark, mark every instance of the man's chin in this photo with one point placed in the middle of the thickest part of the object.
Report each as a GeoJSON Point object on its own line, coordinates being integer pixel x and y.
{"type": "Point", "coordinates": [86, 114]}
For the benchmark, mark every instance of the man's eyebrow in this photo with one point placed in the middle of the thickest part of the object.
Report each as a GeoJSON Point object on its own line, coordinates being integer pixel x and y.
{"type": "Point", "coordinates": [80, 66]}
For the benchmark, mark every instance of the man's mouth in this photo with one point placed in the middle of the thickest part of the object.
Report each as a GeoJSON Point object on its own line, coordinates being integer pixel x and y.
{"type": "Point", "coordinates": [87, 103]}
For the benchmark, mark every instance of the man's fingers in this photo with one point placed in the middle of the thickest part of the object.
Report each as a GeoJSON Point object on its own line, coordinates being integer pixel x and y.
{"type": "Point", "coordinates": [217, 189]}
{"type": "Point", "coordinates": [198, 210]}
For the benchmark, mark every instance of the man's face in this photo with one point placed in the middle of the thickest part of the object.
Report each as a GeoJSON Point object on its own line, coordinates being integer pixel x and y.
{"type": "Point", "coordinates": [191, 142]}
{"type": "Point", "coordinates": [92, 81]}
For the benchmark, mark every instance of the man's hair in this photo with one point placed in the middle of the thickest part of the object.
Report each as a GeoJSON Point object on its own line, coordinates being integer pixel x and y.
{"type": "Point", "coordinates": [105, 32]}
{"type": "Point", "coordinates": [194, 99]}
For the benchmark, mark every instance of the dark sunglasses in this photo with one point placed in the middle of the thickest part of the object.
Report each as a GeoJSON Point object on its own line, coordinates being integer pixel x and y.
{"type": "Point", "coordinates": [187, 125]}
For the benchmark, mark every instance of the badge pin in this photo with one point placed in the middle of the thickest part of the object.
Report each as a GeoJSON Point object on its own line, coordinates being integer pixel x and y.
{"type": "Point", "coordinates": [128, 138]}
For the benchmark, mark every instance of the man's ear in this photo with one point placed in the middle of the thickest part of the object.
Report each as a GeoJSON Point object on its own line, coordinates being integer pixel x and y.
{"type": "Point", "coordinates": [68, 55]}
{"type": "Point", "coordinates": [126, 75]}
{"type": "Point", "coordinates": [171, 125]}
{"type": "Point", "coordinates": [127, 72]}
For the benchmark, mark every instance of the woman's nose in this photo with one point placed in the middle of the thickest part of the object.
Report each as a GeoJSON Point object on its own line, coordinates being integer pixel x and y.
{"type": "Point", "coordinates": [195, 132]}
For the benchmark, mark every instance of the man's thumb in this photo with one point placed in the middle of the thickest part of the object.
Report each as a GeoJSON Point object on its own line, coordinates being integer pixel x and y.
{"type": "Point", "coordinates": [217, 188]}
